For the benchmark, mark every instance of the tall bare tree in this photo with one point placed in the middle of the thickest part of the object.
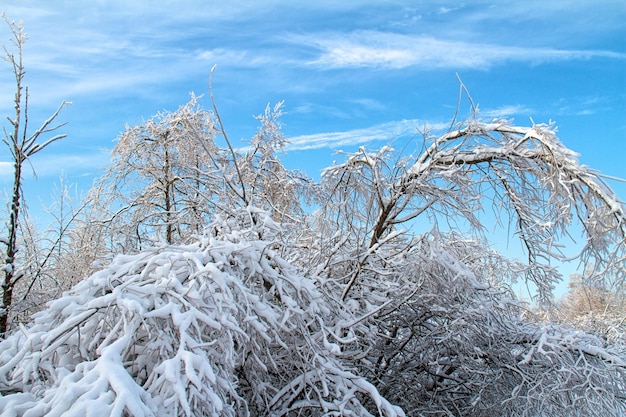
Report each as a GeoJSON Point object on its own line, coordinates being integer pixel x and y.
{"type": "Point", "coordinates": [22, 143]}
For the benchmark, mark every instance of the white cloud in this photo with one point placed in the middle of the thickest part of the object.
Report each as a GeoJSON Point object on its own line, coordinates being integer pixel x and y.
{"type": "Point", "coordinates": [507, 111]}
{"type": "Point", "coordinates": [384, 132]}
{"type": "Point", "coordinates": [368, 104]}
{"type": "Point", "coordinates": [114, 50]}
{"type": "Point", "coordinates": [583, 105]}
{"type": "Point", "coordinates": [444, 10]}
{"type": "Point", "coordinates": [6, 170]}
{"type": "Point", "coordinates": [395, 51]}
{"type": "Point", "coordinates": [54, 165]}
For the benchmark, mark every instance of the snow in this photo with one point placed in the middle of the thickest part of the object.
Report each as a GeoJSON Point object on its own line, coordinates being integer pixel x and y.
{"type": "Point", "coordinates": [172, 331]}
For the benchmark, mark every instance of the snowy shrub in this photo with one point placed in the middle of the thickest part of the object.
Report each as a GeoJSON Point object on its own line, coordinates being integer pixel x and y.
{"type": "Point", "coordinates": [217, 328]}
{"type": "Point", "coordinates": [430, 315]}
{"type": "Point", "coordinates": [452, 345]}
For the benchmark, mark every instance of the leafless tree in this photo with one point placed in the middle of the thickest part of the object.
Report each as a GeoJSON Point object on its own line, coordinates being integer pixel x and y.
{"type": "Point", "coordinates": [271, 185]}
{"type": "Point", "coordinates": [596, 311]}
{"type": "Point", "coordinates": [156, 186]}
{"type": "Point", "coordinates": [48, 256]}
{"type": "Point", "coordinates": [523, 174]}
{"type": "Point", "coordinates": [22, 143]}
{"type": "Point", "coordinates": [168, 178]}
{"type": "Point", "coordinates": [426, 309]}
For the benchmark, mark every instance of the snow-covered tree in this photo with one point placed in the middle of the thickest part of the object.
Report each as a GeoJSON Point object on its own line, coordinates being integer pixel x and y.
{"type": "Point", "coordinates": [158, 184]}
{"type": "Point", "coordinates": [433, 326]}
{"type": "Point", "coordinates": [269, 184]}
{"type": "Point", "coordinates": [451, 344]}
{"type": "Point", "coordinates": [524, 175]}
{"type": "Point", "coordinates": [596, 311]}
{"type": "Point", "coordinates": [387, 300]}
{"type": "Point", "coordinates": [168, 178]}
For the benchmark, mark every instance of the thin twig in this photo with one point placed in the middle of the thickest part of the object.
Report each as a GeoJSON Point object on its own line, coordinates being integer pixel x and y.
{"type": "Point", "coordinates": [223, 131]}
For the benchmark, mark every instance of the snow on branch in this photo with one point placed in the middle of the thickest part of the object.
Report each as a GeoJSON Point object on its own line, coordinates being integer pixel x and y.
{"type": "Point", "coordinates": [528, 177]}
{"type": "Point", "coordinates": [216, 328]}
{"type": "Point", "coordinates": [452, 343]}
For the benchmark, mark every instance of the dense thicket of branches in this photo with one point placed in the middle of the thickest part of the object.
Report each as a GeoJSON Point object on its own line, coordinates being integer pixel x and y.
{"type": "Point", "coordinates": [223, 293]}
{"type": "Point", "coordinates": [220, 327]}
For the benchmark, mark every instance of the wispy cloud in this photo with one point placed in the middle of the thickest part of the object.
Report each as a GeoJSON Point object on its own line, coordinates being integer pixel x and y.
{"type": "Point", "coordinates": [336, 112]}
{"type": "Point", "coordinates": [376, 49]}
{"type": "Point", "coordinates": [507, 111]}
{"type": "Point", "coordinates": [54, 165]}
{"type": "Point", "coordinates": [6, 170]}
{"type": "Point", "coordinates": [384, 132]}
{"type": "Point", "coordinates": [350, 108]}
{"type": "Point", "coordinates": [105, 50]}
{"type": "Point", "coordinates": [368, 104]}
{"type": "Point", "coordinates": [582, 106]}
{"type": "Point", "coordinates": [445, 10]}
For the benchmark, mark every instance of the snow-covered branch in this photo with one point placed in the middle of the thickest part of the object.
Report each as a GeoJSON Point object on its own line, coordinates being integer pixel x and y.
{"type": "Point", "coordinates": [220, 327]}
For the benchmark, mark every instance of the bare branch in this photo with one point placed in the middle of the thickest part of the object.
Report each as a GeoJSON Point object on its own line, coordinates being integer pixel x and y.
{"type": "Point", "coordinates": [230, 146]}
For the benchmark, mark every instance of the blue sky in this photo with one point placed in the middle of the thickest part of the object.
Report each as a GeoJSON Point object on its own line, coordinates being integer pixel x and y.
{"type": "Point", "coordinates": [350, 72]}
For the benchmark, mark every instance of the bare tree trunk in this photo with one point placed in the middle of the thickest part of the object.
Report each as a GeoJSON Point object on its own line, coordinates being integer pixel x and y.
{"type": "Point", "coordinates": [9, 268]}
